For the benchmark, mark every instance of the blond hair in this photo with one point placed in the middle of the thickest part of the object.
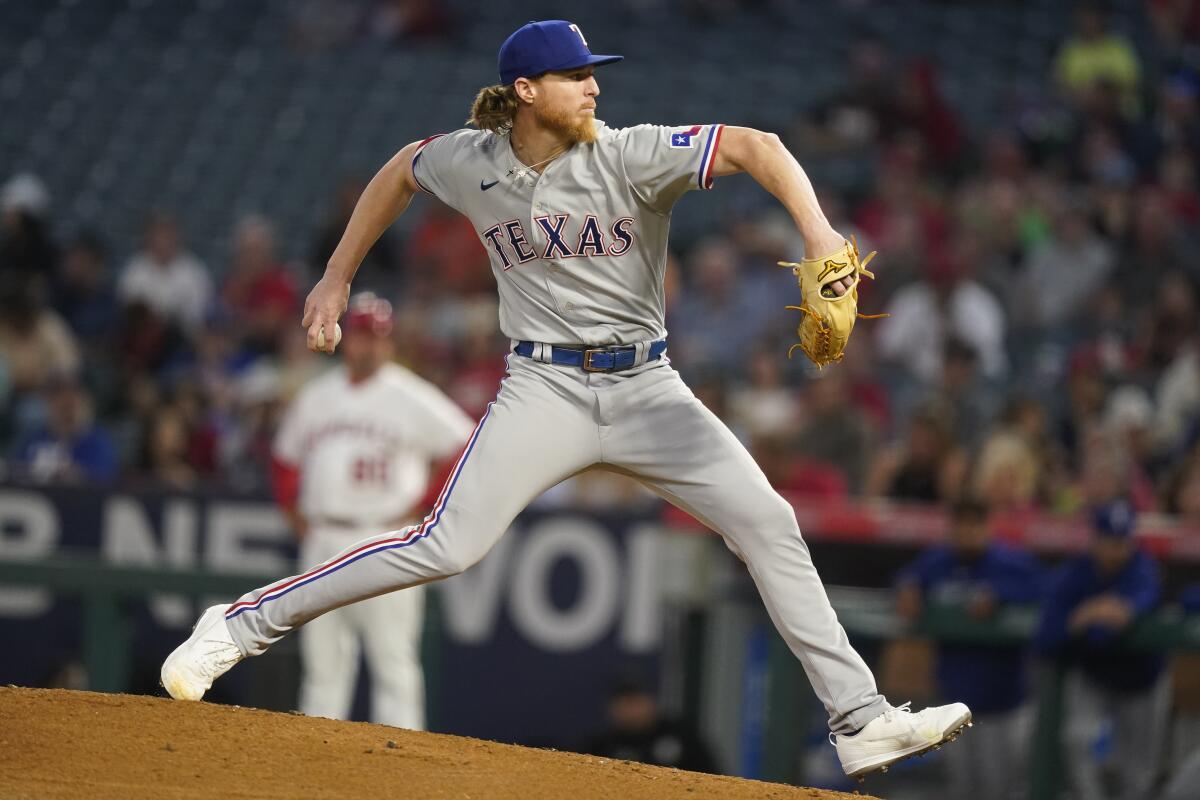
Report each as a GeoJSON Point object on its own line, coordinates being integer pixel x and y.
{"type": "Point", "coordinates": [494, 109]}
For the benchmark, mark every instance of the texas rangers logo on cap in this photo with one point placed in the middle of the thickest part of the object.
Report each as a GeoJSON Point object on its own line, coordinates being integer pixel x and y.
{"type": "Point", "coordinates": [685, 138]}
{"type": "Point", "coordinates": [547, 46]}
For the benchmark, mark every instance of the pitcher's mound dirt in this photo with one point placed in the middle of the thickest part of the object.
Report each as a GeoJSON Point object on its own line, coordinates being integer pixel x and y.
{"type": "Point", "coordinates": [73, 745]}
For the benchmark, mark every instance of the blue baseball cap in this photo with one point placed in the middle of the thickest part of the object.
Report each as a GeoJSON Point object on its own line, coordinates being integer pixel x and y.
{"type": "Point", "coordinates": [545, 46]}
{"type": "Point", "coordinates": [1115, 520]}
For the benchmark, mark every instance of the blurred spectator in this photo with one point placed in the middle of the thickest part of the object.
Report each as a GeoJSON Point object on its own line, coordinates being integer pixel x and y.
{"type": "Point", "coordinates": [639, 731]}
{"type": "Point", "coordinates": [762, 241]}
{"type": "Point", "coordinates": [1007, 472]}
{"type": "Point", "coordinates": [948, 304]}
{"type": "Point", "coordinates": [1177, 415]}
{"type": "Point", "coordinates": [146, 341]}
{"type": "Point", "coordinates": [164, 457]}
{"type": "Point", "coordinates": [139, 399]}
{"type": "Point", "coordinates": [1129, 419]}
{"type": "Point", "coordinates": [926, 467]}
{"type": "Point", "coordinates": [834, 433]}
{"type": "Point", "coordinates": [259, 290]}
{"type": "Point", "coordinates": [34, 341]}
{"type": "Point", "coordinates": [1093, 55]}
{"type": "Point", "coordinates": [207, 411]}
{"type": "Point", "coordinates": [1107, 338]}
{"type": "Point", "coordinates": [1062, 274]}
{"type": "Point", "coordinates": [83, 291]}
{"type": "Point", "coordinates": [965, 394]}
{"type": "Point", "coordinates": [26, 246]}
{"type": "Point", "coordinates": [980, 576]}
{"type": "Point", "coordinates": [1111, 690]}
{"type": "Point", "coordinates": [169, 280]}
{"type": "Point", "coordinates": [1173, 320]}
{"type": "Point", "coordinates": [717, 320]}
{"type": "Point", "coordinates": [70, 447]}
{"type": "Point", "coordinates": [764, 406]}
{"type": "Point", "coordinates": [1107, 470]}
{"type": "Point", "coordinates": [257, 407]}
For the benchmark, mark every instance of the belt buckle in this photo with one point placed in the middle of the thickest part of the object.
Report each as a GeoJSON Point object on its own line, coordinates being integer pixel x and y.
{"type": "Point", "coordinates": [587, 360]}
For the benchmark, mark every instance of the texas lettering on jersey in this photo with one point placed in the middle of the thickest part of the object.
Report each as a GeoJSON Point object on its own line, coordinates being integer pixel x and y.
{"type": "Point", "coordinates": [579, 250]}
{"type": "Point", "coordinates": [589, 239]}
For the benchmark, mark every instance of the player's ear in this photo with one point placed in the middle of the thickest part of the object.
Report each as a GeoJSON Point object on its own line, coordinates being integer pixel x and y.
{"type": "Point", "coordinates": [525, 90]}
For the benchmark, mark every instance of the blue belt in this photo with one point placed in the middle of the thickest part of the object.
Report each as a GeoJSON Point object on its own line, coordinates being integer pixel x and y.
{"type": "Point", "coordinates": [595, 359]}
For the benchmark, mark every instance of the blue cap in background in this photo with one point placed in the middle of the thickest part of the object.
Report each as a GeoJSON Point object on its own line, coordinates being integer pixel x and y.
{"type": "Point", "coordinates": [1115, 520]}
{"type": "Point", "coordinates": [546, 46]}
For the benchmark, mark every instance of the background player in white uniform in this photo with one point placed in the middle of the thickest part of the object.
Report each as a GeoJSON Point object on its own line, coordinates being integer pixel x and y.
{"type": "Point", "coordinates": [352, 458]}
{"type": "Point", "coordinates": [574, 216]}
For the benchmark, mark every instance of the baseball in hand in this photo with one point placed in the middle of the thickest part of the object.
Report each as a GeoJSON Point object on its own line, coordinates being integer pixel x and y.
{"type": "Point", "coordinates": [337, 336]}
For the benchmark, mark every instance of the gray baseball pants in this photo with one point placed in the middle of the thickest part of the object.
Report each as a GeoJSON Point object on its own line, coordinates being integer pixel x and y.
{"type": "Point", "coordinates": [1139, 722]}
{"type": "Point", "coordinates": [547, 423]}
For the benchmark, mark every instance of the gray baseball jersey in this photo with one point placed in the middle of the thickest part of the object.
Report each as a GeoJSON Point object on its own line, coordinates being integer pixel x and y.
{"type": "Point", "coordinates": [578, 254]}
{"type": "Point", "coordinates": [578, 251]}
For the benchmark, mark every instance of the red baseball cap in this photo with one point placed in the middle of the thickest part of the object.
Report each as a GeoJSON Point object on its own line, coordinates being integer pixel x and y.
{"type": "Point", "coordinates": [368, 312]}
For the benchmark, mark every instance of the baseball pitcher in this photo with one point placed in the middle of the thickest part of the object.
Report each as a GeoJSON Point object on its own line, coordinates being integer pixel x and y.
{"type": "Point", "coordinates": [574, 216]}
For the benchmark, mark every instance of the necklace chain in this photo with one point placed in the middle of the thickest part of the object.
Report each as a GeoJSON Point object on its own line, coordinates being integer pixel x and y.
{"type": "Point", "coordinates": [523, 171]}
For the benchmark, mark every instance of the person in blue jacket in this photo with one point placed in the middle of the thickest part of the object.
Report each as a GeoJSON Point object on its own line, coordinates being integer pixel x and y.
{"type": "Point", "coordinates": [69, 447]}
{"type": "Point", "coordinates": [1115, 698]}
{"type": "Point", "coordinates": [972, 571]}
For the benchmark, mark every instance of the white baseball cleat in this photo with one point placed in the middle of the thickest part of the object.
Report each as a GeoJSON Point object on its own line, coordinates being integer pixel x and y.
{"type": "Point", "coordinates": [898, 734]}
{"type": "Point", "coordinates": [206, 655]}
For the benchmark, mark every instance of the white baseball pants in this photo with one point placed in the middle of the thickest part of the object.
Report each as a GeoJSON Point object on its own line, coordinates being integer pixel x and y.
{"type": "Point", "coordinates": [387, 629]}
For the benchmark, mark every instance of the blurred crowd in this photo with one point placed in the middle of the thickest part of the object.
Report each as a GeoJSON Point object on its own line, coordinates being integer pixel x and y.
{"type": "Point", "coordinates": [1042, 346]}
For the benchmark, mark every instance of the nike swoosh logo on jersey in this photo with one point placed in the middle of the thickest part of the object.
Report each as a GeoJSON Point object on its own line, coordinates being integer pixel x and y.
{"type": "Point", "coordinates": [483, 187]}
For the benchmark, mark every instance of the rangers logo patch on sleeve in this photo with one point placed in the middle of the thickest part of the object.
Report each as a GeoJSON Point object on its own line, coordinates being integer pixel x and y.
{"type": "Point", "coordinates": [685, 138]}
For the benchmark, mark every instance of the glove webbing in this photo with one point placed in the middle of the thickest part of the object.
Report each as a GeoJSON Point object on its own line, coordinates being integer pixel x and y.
{"type": "Point", "coordinates": [823, 330]}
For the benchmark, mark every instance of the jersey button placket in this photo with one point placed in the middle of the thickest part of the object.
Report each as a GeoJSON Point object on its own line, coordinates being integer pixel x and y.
{"type": "Point", "coordinates": [538, 209]}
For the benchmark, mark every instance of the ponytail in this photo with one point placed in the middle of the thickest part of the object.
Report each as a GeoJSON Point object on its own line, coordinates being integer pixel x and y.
{"type": "Point", "coordinates": [494, 109]}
